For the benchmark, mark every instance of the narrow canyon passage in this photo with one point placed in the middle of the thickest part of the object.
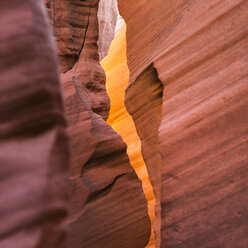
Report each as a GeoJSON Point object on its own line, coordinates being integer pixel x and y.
{"type": "Point", "coordinates": [147, 148]}
{"type": "Point", "coordinates": [117, 77]}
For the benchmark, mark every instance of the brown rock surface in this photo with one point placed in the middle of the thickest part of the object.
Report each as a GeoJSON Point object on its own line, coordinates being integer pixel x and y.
{"type": "Point", "coordinates": [108, 206]}
{"type": "Point", "coordinates": [146, 112]}
{"type": "Point", "coordinates": [194, 136]}
{"type": "Point", "coordinates": [199, 49]}
{"type": "Point", "coordinates": [33, 144]}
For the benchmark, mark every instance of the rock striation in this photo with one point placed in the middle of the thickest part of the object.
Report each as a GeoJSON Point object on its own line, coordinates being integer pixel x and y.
{"type": "Point", "coordinates": [70, 20]}
{"type": "Point", "coordinates": [33, 142]}
{"type": "Point", "coordinates": [107, 19]}
{"type": "Point", "coordinates": [199, 50]}
{"type": "Point", "coordinates": [177, 82]}
{"type": "Point", "coordinates": [108, 207]}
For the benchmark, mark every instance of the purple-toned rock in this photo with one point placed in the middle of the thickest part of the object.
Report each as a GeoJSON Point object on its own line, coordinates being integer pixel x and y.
{"type": "Point", "coordinates": [33, 143]}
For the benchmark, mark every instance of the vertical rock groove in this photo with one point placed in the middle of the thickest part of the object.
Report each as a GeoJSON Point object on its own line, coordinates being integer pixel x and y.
{"type": "Point", "coordinates": [177, 77]}
{"type": "Point", "coordinates": [117, 72]}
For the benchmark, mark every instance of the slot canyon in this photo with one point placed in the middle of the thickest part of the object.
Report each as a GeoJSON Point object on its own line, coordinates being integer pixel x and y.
{"type": "Point", "coordinates": [124, 124]}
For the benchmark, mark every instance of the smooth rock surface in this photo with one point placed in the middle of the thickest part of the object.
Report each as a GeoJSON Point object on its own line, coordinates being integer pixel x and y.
{"type": "Point", "coordinates": [199, 49]}
{"type": "Point", "coordinates": [33, 143]}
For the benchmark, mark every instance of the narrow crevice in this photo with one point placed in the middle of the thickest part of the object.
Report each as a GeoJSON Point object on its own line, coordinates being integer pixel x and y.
{"type": "Point", "coordinates": [117, 73]}
{"type": "Point", "coordinates": [104, 191]}
{"type": "Point", "coordinates": [85, 32]}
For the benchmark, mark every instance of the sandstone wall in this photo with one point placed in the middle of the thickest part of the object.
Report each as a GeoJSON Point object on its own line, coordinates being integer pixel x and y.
{"type": "Point", "coordinates": [33, 143]}
{"type": "Point", "coordinates": [108, 207]}
{"type": "Point", "coordinates": [187, 95]}
{"type": "Point", "coordinates": [199, 50]}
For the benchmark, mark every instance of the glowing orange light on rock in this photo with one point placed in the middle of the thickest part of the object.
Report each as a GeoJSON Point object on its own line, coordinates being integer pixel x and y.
{"type": "Point", "coordinates": [117, 73]}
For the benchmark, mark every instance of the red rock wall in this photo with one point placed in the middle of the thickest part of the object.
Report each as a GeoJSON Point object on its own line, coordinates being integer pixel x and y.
{"type": "Point", "coordinates": [197, 156]}
{"type": "Point", "coordinates": [33, 143]}
{"type": "Point", "coordinates": [69, 19]}
{"type": "Point", "coordinates": [108, 207]}
{"type": "Point", "coordinates": [199, 49]}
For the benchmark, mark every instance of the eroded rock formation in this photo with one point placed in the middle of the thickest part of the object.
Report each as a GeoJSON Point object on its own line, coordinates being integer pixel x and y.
{"type": "Point", "coordinates": [70, 20]}
{"type": "Point", "coordinates": [187, 95]}
{"type": "Point", "coordinates": [199, 50]}
{"type": "Point", "coordinates": [108, 206]}
{"type": "Point", "coordinates": [33, 143]}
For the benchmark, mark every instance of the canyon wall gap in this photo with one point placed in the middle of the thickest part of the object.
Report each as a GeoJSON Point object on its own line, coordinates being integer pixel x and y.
{"type": "Point", "coordinates": [108, 207]}
{"type": "Point", "coordinates": [117, 77]}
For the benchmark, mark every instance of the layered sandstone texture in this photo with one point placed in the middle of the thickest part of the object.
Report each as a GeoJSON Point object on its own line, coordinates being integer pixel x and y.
{"type": "Point", "coordinates": [117, 73]}
{"type": "Point", "coordinates": [107, 204]}
{"type": "Point", "coordinates": [199, 51]}
{"type": "Point", "coordinates": [33, 143]}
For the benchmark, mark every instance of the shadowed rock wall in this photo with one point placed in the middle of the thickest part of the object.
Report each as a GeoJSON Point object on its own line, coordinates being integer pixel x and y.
{"type": "Point", "coordinates": [33, 143]}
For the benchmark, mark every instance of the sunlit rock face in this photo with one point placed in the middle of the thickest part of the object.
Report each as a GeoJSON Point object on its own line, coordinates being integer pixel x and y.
{"type": "Point", "coordinates": [107, 204]}
{"type": "Point", "coordinates": [33, 141]}
{"type": "Point", "coordinates": [107, 18]}
{"type": "Point", "coordinates": [117, 72]}
{"type": "Point", "coordinates": [199, 51]}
